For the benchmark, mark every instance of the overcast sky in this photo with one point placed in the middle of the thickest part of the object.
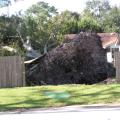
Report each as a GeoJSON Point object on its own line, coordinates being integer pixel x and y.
{"type": "Point", "coordinates": [61, 5]}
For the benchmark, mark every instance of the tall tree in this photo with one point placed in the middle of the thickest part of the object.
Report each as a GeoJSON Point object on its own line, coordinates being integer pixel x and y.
{"type": "Point", "coordinates": [4, 3]}
{"type": "Point", "coordinates": [36, 25]}
{"type": "Point", "coordinates": [111, 22]}
{"type": "Point", "coordinates": [89, 24]}
{"type": "Point", "coordinates": [97, 9]}
{"type": "Point", "coordinates": [67, 22]}
{"type": "Point", "coordinates": [8, 33]}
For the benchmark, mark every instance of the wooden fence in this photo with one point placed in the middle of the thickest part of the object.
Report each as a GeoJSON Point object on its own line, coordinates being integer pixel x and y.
{"type": "Point", "coordinates": [12, 71]}
{"type": "Point", "coordinates": [117, 66]}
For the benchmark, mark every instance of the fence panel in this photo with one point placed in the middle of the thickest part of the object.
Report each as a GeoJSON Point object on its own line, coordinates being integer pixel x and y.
{"type": "Point", "coordinates": [117, 66]}
{"type": "Point", "coordinates": [12, 71]}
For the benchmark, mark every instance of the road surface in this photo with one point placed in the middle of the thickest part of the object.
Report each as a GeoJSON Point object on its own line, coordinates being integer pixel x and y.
{"type": "Point", "coordinates": [65, 113]}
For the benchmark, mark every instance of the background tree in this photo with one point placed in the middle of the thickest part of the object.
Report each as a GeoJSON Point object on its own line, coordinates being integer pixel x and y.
{"type": "Point", "coordinates": [111, 22]}
{"type": "Point", "coordinates": [4, 3]}
{"type": "Point", "coordinates": [8, 34]}
{"type": "Point", "coordinates": [89, 24]}
{"type": "Point", "coordinates": [97, 10]}
{"type": "Point", "coordinates": [64, 23]}
{"type": "Point", "coordinates": [68, 22]}
{"type": "Point", "coordinates": [46, 27]}
{"type": "Point", "coordinates": [36, 24]}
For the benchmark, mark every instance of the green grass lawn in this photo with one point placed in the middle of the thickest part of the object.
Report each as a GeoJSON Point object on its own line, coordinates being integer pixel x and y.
{"type": "Point", "coordinates": [61, 95]}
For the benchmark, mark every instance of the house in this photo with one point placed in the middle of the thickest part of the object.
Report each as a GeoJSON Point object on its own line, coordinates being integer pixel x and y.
{"type": "Point", "coordinates": [110, 42]}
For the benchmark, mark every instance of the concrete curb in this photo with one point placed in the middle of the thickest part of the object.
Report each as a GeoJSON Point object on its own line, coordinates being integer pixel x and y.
{"type": "Point", "coordinates": [72, 108]}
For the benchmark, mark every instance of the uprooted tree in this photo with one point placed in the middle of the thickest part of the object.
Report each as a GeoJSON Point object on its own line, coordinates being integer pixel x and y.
{"type": "Point", "coordinates": [81, 61]}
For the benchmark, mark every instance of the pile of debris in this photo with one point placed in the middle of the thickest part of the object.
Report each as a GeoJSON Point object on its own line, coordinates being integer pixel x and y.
{"type": "Point", "coordinates": [81, 60]}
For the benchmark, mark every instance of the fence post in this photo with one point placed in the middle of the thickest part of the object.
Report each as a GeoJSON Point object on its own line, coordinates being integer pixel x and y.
{"type": "Point", "coordinates": [117, 66]}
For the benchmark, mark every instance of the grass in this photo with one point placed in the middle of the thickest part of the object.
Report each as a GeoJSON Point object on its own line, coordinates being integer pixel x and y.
{"type": "Point", "coordinates": [61, 95]}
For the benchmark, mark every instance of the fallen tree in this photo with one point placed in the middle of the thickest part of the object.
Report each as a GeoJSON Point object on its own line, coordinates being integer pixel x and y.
{"type": "Point", "coordinates": [80, 61]}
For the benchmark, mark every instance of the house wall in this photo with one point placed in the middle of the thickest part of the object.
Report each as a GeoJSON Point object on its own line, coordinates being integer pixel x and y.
{"type": "Point", "coordinates": [109, 57]}
{"type": "Point", "coordinates": [110, 52]}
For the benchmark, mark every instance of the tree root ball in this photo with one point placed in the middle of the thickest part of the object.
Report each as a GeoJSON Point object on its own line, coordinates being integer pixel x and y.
{"type": "Point", "coordinates": [81, 60]}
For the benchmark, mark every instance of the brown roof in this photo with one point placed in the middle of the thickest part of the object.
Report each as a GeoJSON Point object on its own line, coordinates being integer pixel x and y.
{"type": "Point", "coordinates": [107, 39]}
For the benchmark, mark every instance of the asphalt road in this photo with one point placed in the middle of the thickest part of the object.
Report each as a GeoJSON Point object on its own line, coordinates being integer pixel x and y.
{"type": "Point", "coordinates": [65, 113]}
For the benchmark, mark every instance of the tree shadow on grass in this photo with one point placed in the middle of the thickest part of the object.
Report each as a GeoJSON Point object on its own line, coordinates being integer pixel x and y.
{"type": "Point", "coordinates": [29, 103]}
{"type": "Point", "coordinates": [107, 95]}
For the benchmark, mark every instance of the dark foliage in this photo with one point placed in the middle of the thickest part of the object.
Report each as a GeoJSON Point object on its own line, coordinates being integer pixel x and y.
{"type": "Point", "coordinates": [81, 61]}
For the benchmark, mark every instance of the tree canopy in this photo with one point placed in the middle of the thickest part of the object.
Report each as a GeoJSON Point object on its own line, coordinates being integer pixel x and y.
{"type": "Point", "coordinates": [46, 27]}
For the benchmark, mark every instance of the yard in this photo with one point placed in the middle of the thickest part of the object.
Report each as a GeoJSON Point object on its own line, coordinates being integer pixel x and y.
{"type": "Point", "coordinates": [61, 95]}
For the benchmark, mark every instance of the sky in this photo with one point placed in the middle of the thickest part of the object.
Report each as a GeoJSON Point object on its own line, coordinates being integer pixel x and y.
{"type": "Point", "coordinates": [61, 5]}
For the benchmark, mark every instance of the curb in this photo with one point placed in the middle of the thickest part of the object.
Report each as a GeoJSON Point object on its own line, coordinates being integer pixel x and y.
{"type": "Point", "coordinates": [72, 108]}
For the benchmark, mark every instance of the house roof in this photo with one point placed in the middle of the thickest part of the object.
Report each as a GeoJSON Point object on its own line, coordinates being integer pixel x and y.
{"type": "Point", "coordinates": [107, 39]}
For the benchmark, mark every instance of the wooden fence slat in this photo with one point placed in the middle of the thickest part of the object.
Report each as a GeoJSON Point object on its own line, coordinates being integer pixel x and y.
{"type": "Point", "coordinates": [0, 72]}
{"type": "Point", "coordinates": [3, 67]}
{"type": "Point", "coordinates": [18, 62]}
{"type": "Point", "coordinates": [23, 75]}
